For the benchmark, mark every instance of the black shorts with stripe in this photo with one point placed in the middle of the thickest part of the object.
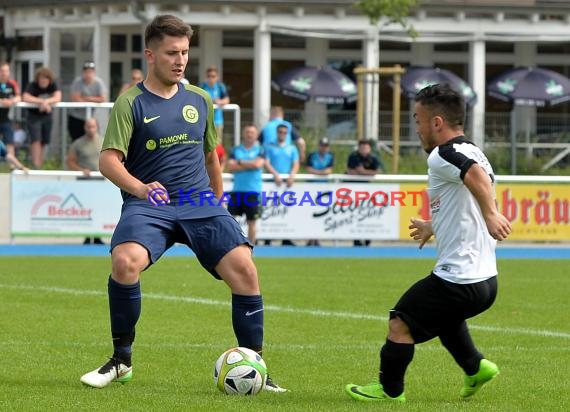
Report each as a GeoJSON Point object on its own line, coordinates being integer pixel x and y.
{"type": "Point", "coordinates": [432, 305]}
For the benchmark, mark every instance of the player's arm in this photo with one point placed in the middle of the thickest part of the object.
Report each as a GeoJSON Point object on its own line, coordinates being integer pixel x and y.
{"type": "Point", "coordinates": [215, 173]}
{"type": "Point", "coordinates": [479, 184]}
{"type": "Point", "coordinates": [111, 166]}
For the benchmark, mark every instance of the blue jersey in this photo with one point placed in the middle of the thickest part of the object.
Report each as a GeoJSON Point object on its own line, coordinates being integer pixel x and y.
{"type": "Point", "coordinates": [316, 161]}
{"type": "Point", "coordinates": [268, 135]}
{"type": "Point", "coordinates": [282, 157]}
{"type": "Point", "coordinates": [165, 141]}
{"type": "Point", "coordinates": [249, 180]}
{"type": "Point", "coordinates": [217, 91]}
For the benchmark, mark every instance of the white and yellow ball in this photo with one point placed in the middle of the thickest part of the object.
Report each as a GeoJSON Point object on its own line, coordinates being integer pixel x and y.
{"type": "Point", "coordinates": [240, 371]}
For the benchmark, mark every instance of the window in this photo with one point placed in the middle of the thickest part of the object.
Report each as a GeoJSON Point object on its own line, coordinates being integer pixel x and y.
{"type": "Point", "coordinates": [29, 43]}
{"type": "Point", "coordinates": [283, 41]}
{"type": "Point", "coordinates": [118, 43]}
{"type": "Point", "coordinates": [237, 38]}
{"type": "Point", "coordinates": [137, 41]}
{"type": "Point", "coordinates": [67, 41]}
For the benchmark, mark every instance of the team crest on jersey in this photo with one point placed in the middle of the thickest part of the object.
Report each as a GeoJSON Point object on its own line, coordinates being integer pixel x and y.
{"type": "Point", "coordinates": [190, 113]}
{"type": "Point", "coordinates": [150, 144]}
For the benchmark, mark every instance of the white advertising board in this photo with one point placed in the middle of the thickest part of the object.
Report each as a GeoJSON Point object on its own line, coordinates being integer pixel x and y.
{"type": "Point", "coordinates": [63, 206]}
{"type": "Point", "coordinates": [71, 205]}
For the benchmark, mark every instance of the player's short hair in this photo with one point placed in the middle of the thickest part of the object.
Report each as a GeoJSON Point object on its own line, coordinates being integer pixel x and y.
{"type": "Point", "coordinates": [443, 101]}
{"type": "Point", "coordinates": [166, 25]}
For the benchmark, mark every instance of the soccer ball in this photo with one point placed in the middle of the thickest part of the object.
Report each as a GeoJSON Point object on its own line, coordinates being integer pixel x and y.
{"type": "Point", "coordinates": [240, 371]}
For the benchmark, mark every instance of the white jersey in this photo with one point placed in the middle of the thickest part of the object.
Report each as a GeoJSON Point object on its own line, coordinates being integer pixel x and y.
{"type": "Point", "coordinates": [466, 250]}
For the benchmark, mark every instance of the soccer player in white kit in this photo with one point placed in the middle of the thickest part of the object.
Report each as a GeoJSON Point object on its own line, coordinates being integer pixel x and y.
{"type": "Point", "coordinates": [466, 223]}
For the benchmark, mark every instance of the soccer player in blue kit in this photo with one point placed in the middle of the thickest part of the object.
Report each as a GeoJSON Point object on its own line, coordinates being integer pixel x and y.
{"type": "Point", "coordinates": [466, 223]}
{"type": "Point", "coordinates": [159, 150]}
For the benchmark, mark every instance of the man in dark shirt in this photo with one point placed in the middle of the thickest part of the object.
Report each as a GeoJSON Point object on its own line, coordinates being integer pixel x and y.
{"type": "Point", "coordinates": [363, 162]}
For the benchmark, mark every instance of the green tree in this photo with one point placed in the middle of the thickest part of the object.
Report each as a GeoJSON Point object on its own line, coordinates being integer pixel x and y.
{"type": "Point", "coordinates": [397, 11]}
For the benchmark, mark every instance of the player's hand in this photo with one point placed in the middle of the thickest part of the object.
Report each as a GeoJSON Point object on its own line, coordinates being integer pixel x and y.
{"type": "Point", "coordinates": [290, 181]}
{"type": "Point", "coordinates": [156, 194]}
{"type": "Point", "coordinates": [420, 230]}
{"type": "Point", "coordinates": [498, 225]}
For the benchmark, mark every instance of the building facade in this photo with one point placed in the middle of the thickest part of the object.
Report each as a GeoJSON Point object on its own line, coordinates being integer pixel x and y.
{"type": "Point", "coordinates": [252, 40]}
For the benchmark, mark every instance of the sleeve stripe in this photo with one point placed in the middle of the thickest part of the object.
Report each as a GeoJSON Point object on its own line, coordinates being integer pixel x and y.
{"type": "Point", "coordinates": [459, 160]}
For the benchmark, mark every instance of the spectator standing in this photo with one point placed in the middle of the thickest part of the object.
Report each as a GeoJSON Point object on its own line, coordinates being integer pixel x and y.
{"type": "Point", "coordinates": [9, 95]}
{"type": "Point", "coordinates": [268, 135]}
{"type": "Point", "coordinates": [87, 88]}
{"type": "Point", "coordinates": [363, 162]}
{"type": "Point", "coordinates": [83, 156]}
{"type": "Point", "coordinates": [246, 163]}
{"type": "Point", "coordinates": [45, 92]}
{"type": "Point", "coordinates": [137, 76]}
{"type": "Point", "coordinates": [219, 94]}
{"type": "Point", "coordinates": [282, 158]}
{"type": "Point", "coordinates": [320, 163]}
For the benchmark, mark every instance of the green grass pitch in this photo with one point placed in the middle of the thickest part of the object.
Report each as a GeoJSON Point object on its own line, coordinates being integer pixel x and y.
{"type": "Point", "coordinates": [325, 322]}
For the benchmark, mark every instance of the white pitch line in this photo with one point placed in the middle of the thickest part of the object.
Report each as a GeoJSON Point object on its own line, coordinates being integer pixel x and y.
{"type": "Point", "coordinates": [283, 309]}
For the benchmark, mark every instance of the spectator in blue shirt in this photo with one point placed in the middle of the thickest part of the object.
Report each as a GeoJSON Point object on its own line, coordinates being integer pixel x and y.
{"type": "Point", "coordinates": [219, 94]}
{"type": "Point", "coordinates": [246, 163]}
{"type": "Point", "coordinates": [321, 161]}
{"type": "Point", "coordinates": [268, 135]}
{"type": "Point", "coordinates": [282, 158]}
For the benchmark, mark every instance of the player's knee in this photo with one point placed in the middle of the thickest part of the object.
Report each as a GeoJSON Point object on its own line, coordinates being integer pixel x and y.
{"type": "Point", "coordinates": [127, 266]}
{"type": "Point", "coordinates": [398, 331]}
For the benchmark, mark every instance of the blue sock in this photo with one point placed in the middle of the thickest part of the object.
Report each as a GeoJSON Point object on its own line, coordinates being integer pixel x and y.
{"type": "Point", "coordinates": [125, 309]}
{"type": "Point", "coordinates": [247, 320]}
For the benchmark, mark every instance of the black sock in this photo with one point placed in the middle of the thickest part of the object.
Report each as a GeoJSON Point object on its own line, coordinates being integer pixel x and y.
{"type": "Point", "coordinates": [459, 343]}
{"type": "Point", "coordinates": [247, 320]}
{"type": "Point", "coordinates": [125, 309]}
{"type": "Point", "coordinates": [394, 360]}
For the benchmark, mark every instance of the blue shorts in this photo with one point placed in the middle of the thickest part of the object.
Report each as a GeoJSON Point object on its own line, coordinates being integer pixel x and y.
{"type": "Point", "coordinates": [158, 228]}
